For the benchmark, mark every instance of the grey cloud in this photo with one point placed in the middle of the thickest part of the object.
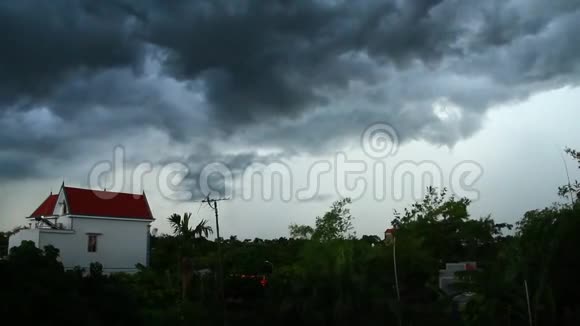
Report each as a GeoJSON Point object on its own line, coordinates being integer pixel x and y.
{"type": "Point", "coordinates": [18, 167]}
{"type": "Point", "coordinates": [205, 156]}
{"type": "Point", "coordinates": [48, 43]}
{"type": "Point", "coordinates": [97, 106]}
{"type": "Point", "coordinates": [296, 76]}
{"type": "Point", "coordinates": [268, 59]}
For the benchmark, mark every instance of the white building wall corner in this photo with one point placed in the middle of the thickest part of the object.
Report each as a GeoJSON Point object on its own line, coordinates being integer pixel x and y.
{"type": "Point", "coordinates": [24, 235]}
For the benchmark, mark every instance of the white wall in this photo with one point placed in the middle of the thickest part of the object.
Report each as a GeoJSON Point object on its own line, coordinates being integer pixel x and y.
{"type": "Point", "coordinates": [60, 203]}
{"type": "Point", "coordinates": [65, 220]}
{"type": "Point", "coordinates": [58, 211]}
{"type": "Point", "coordinates": [23, 235]}
{"type": "Point", "coordinates": [120, 246]}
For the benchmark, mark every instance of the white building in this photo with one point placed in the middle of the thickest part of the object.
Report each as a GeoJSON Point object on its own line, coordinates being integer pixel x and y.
{"type": "Point", "coordinates": [92, 226]}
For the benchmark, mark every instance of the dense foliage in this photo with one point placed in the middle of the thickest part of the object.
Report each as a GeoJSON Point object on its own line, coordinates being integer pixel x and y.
{"type": "Point", "coordinates": [323, 274]}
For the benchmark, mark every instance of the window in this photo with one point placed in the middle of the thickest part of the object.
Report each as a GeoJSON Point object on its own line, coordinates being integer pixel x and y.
{"type": "Point", "coordinates": [63, 209]}
{"type": "Point", "coordinates": [92, 247]}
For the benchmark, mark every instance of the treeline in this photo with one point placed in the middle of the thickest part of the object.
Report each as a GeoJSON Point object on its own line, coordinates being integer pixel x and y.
{"type": "Point", "coordinates": [323, 274]}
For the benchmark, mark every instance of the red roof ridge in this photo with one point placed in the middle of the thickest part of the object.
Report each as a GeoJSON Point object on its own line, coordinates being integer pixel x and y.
{"type": "Point", "coordinates": [104, 191]}
{"type": "Point", "coordinates": [88, 202]}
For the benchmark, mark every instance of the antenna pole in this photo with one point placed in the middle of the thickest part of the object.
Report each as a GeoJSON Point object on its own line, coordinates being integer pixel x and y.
{"type": "Point", "coordinates": [568, 176]}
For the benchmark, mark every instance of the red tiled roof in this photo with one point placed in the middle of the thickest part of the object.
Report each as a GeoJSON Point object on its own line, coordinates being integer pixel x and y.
{"type": "Point", "coordinates": [47, 207]}
{"type": "Point", "coordinates": [107, 204]}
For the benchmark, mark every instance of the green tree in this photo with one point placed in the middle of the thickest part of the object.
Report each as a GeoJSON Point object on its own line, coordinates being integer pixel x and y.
{"type": "Point", "coordinates": [36, 277]}
{"type": "Point", "coordinates": [571, 189]}
{"type": "Point", "coordinates": [300, 231]}
{"type": "Point", "coordinates": [442, 224]}
{"type": "Point", "coordinates": [186, 236]}
{"type": "Point", "coordinates": [336, 223]}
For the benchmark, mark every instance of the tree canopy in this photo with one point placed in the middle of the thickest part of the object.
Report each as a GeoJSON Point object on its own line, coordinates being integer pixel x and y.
{"type": "Point", "coordinates": [324, 273]}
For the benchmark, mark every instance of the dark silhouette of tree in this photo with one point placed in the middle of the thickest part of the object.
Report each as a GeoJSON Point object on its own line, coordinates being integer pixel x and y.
{"type": "Point", "coordinates": [186, 236]}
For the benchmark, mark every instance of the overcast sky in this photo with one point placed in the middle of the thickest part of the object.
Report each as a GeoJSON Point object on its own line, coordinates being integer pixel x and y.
{"type": "Point", "coordinates": [184, 84]}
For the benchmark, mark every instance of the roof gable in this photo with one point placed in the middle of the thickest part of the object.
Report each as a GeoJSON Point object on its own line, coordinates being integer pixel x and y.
{"type": "Point", "coordinates": [46, 208]}
{"type": "Point", "coordinates": [107, 204]}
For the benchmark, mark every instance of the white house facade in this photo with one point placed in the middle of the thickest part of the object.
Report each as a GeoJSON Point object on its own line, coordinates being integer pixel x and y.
{"type": "Point", "coordinates": [92, 226]}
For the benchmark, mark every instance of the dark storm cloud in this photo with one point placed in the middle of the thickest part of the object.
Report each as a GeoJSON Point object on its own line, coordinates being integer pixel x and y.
{"type": "Point", "coordinates": [301, 76]}
{"type": "Point", "coordinates": [260, 59]}
{"type": "Point", "coordinates": [206, 157]}
{"type": "Point", "coordinates": [94, 107]}
{"type": "Point", "coordinates": [45, 43]}
{"type": "Point", "coordinates": [18, 167]}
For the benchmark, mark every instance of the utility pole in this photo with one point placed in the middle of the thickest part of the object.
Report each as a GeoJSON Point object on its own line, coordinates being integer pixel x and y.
{"type": "Point", "coordinates": [395, 268]}
{"type": "Point", "coordinates": [528, 302]}
{"type": "Point", "coordinates": [390, 234]}
{"type": "Point", "coordinates": [213, 203]}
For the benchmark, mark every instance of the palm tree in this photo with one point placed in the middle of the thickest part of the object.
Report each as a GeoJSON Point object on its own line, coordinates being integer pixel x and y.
{"type": "Point", "coordinates": [180, 225]}
{"type": "Point", "coordinates": [181, 228]}
{"type": "Point", "coordinates": [202, 230]}
{"type": "Point", "coordinates": [186, 236]}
